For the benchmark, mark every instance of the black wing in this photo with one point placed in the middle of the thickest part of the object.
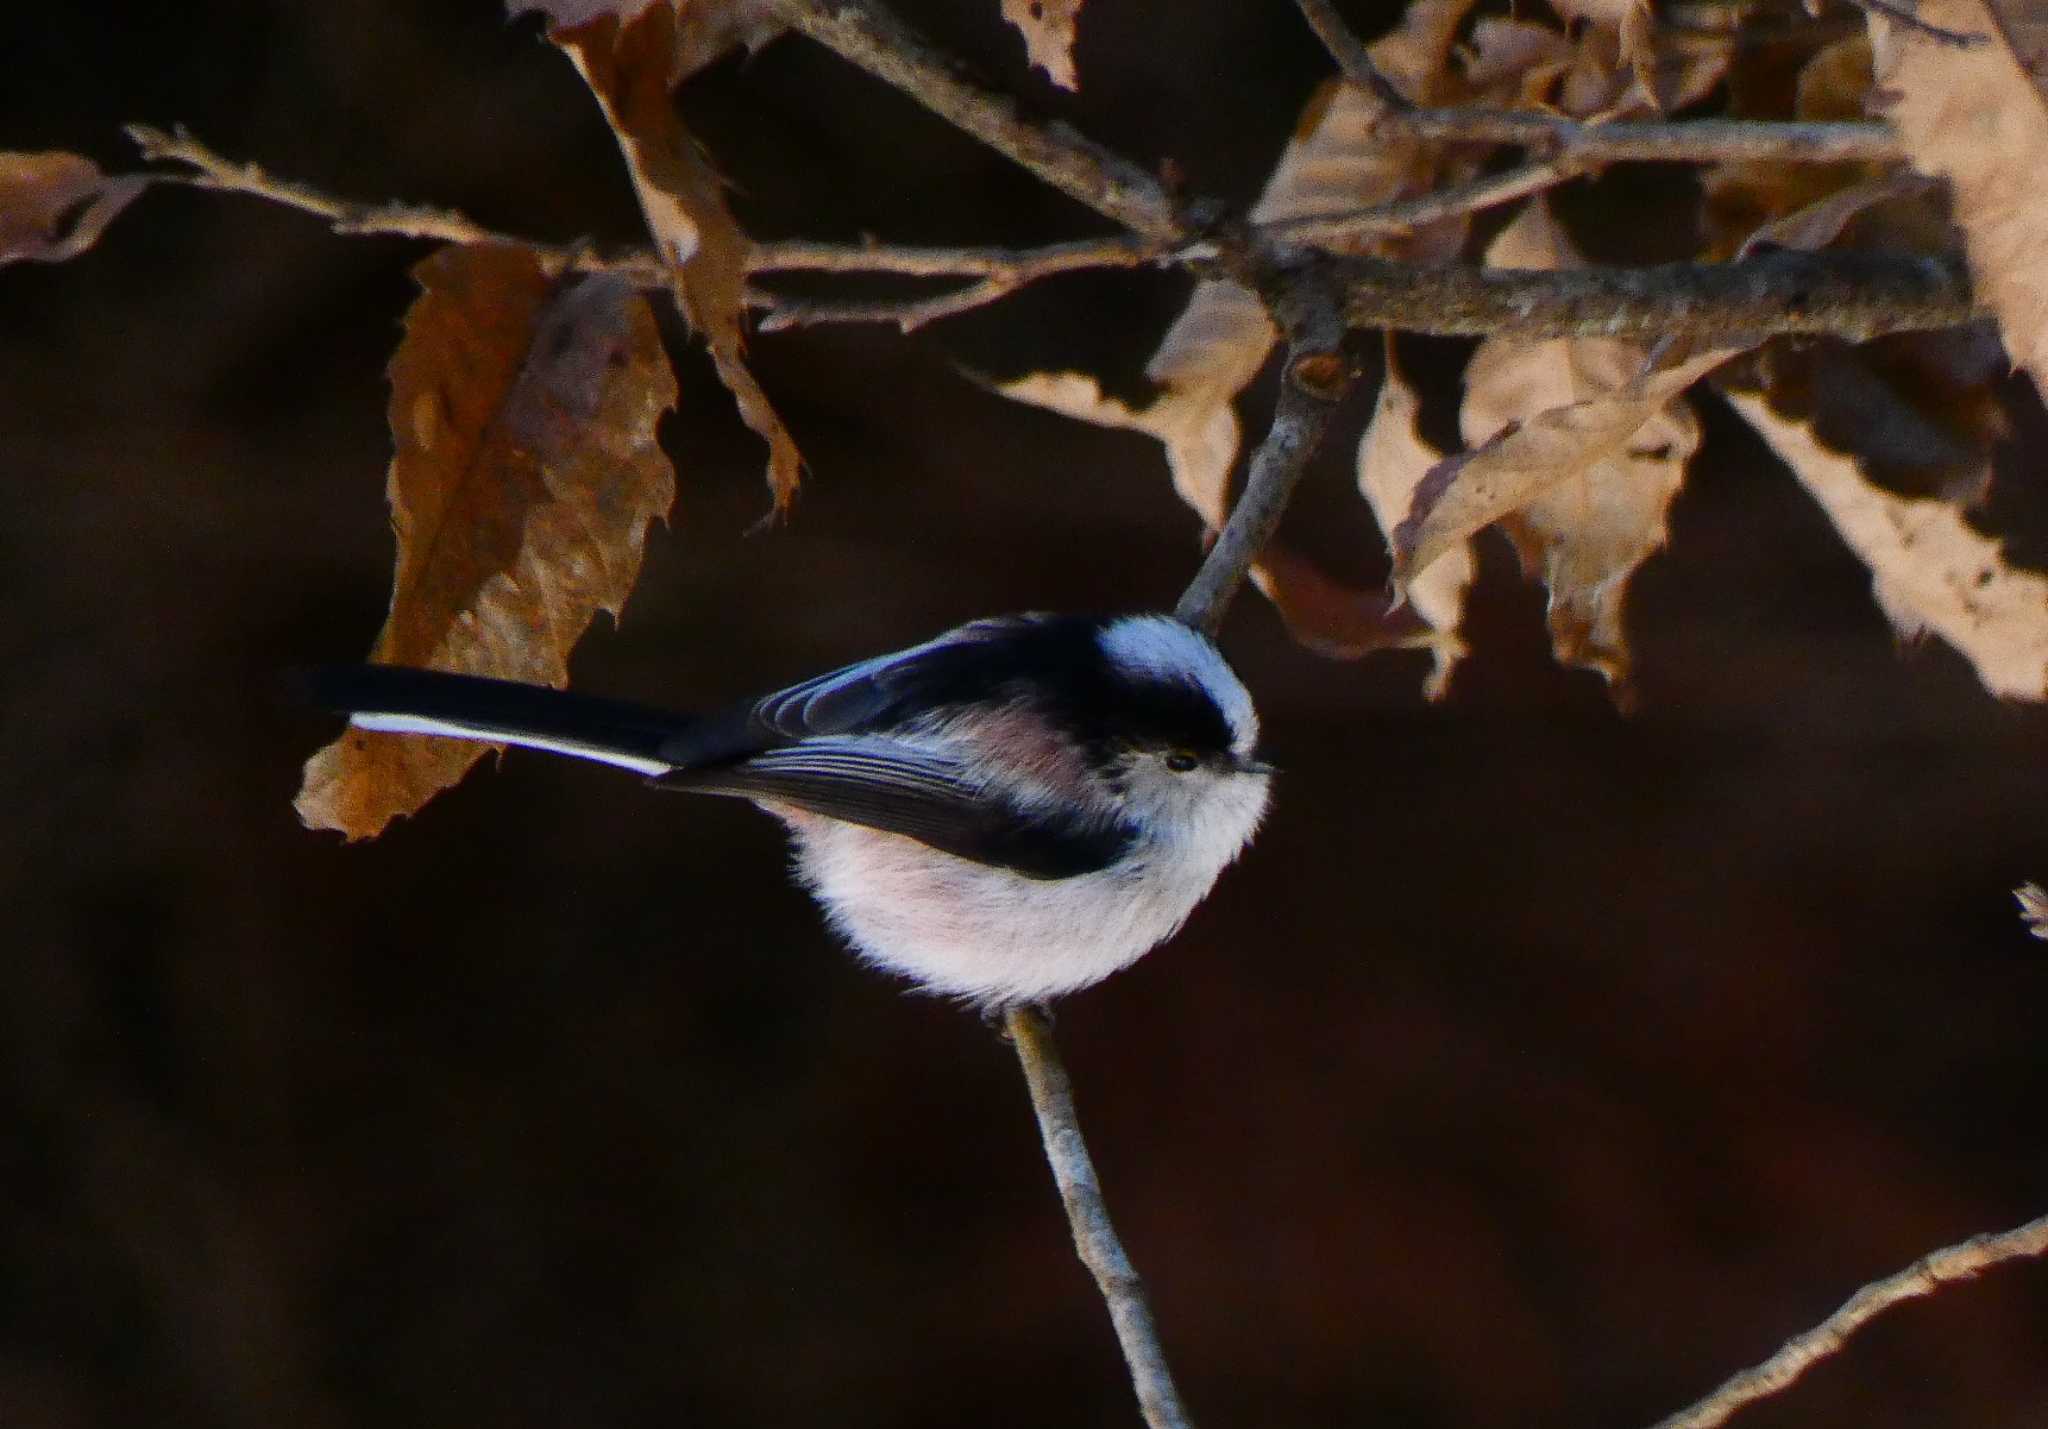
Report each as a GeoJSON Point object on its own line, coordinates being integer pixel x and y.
{"type": "Point", "coordinates": [909, 791]}
{"type": "Point", "coordinates": [966, 663]}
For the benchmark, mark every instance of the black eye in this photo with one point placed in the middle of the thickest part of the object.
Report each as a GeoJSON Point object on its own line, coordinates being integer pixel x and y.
{"type": "Point", "coordinates": [1181, 762]}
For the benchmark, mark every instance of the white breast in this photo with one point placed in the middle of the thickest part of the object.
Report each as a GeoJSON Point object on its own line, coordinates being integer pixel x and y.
{"type": "Point", "coordinates": [992, 936]}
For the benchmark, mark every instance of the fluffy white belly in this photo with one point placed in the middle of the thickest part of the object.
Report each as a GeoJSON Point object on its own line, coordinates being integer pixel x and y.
{"type": "Point", "coordinates": [986, 935]}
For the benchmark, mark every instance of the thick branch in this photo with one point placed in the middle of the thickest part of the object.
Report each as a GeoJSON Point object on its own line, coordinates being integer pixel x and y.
{"type": "Point", "coordinates": [1841, 294]}
{"type": "Point", "coordinates": [1316, 379]}
{"type": "Point", "coordinates": [870, 37]}
{"type": "Point", "coordinates": [1095, 1237]}
{"type": "Point", "coordinates": [1800, 1353]}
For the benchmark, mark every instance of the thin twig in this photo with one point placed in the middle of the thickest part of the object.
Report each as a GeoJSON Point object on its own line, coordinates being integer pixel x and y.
{"type": "Point", "coordinates": [1335, 231]}
{"type": "Point", "coordinates": [1800, 1353]}
{"type": "Point", "coordinates": [1095, 1237]}
{"type": "Point", "coordinates": [1846, 294]}
{"type": "Point", "coordinates": [999, 273]}
{"type": "Point", "coordinates": [211, 170]}
{"type": "Point", "coordinates": [1697, 141]}
{"type": "Point", "coordinates": [1350, 52]}
{"type": "Point", "coordinates": [867, 36]}
{"type": "Point", "coordinates": [1019, 265]}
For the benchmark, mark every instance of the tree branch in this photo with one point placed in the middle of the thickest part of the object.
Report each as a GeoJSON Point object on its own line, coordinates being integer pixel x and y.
{"type": "Point", "coordinates": [868, 36]}
{"type": "Point", "coordinates": [211, 170]}
{"type": "Point", "coordinates": [1317, 378]}
{"type": "Point", "coordinates": [1020, 265]}
{"type": "Point", "coordinates": [1697, 141]}
{"type": "Point", "coordinates": [1350, 53]}
{"type": "Point", "coordinates": [1842, 294]}
{"type": "Point", "coordinates": [1336, 231]}
{"type": "Point", "coordinates": [1095, 1237]}
{"type": "Point", "coordinates": [1800, 1353]}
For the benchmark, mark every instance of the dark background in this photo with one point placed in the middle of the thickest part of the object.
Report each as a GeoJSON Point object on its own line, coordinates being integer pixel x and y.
{"type": "Point", "coordinates": [1539, 1065]}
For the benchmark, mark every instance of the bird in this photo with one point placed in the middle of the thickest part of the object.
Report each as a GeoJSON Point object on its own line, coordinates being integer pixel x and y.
{"type": "Point", "coordinates": [1004, 814]}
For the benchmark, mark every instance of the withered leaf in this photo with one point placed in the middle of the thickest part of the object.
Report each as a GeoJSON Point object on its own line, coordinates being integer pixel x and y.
{"type": "Point", "coordinates": [1929, 569]}
{"type": "Point", "coordinates": [524, 473]}
{"type": "Point", "coordinates": [1580, 444]}
{"type": "Point", "coordinates": [683, 201]}
{"type": "Point", "coordinates": [1392, 459]}
{"type": "Point", "coordinates": [1048, 30]}
{"type": "Point", "coordinates": [55, 205]}
{"type": "Point", "coordinates": [1977, 115]}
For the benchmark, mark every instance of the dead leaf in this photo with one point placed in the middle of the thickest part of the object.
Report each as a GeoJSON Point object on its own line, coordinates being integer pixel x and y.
{"type": "Point", "coordinates": [1929, 569]}
{"type": "Point", "coordinates": [683, 201]}
{"type": "Point", "coordinates": [1977, 115]}
{"type": "Point", "coordinates": [1579, 444]}
{"type": "Point", "coordinates": [1048, 30]}
{"type": "Point", "coordinates": [55, 205]}
{"type": "Point", "coordinates": [1333, 164]}
{"type": "Point", "coordinates": [1392, 459]}
{"type": "Point", "coordinates": [525, 471]}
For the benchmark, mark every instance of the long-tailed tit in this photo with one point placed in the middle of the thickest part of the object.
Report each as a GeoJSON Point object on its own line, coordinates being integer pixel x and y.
{"type": "Point", "coordinates": [1006, 813]}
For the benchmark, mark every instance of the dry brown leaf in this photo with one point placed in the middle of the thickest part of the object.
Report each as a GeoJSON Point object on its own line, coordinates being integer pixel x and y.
{"type": "Point", "coordinates": [1333, 164]}
{"type": "Point", "coordinates": [1577, 448]}
{"type": "Point", "coordinates": [525, 471]}
{"type": "Point", "coordinates": [1977, 115]}
{"type": "Point", "coordinates": [683, 201]}
{"type": "Point", "coordinates": [1832, 83]}
{"type": "Point", "coordinates": [1929, 569]}
{"type": "Point", "coordinates": [1392, 459]}
{"type": "Point", "coordinates": [1048, 30]}
{"type": "Point", "coordinates": [55, 205]}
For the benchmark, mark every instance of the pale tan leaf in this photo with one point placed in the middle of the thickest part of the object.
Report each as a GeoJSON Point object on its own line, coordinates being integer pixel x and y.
{"type": "Point", "coordinates": [55, 205]}
{"type": "Point", "coordinates": [1977, 115]}
{"type": "Point", "coordinates": [683, 201]}
{"type": "Point", "coordinates": [525, 471]}
{"type": "Point", "coordinates": [1821, 222]}
{"type": "Point", "coordinates": [1333, 164]}
{"type": "Point", "coordinates": [1393, 458]}
{"type": "Point", "coordinates": [1579, 444]}
{"type": "Point", "coordinates": [1048, 30]}
{"type": "Point", "coordinates": [1200, 435]}
{"type": "Point", "coordinates": [1929, 569]}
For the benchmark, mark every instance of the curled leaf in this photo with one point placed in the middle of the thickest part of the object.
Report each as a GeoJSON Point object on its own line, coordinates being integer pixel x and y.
{"type": "Point", "coordinates": [1392, 459]}
{"type": "Point", "coordinates": [1977, 115]}
{"type": "Point", "coordinates": [629, 69]}
{"type": "Point", "coordinates": [525, 471]}
{"type": "Point", "coordinates": [1579, 447]}
{"type": "Point", "coordinates": [1929, 569]}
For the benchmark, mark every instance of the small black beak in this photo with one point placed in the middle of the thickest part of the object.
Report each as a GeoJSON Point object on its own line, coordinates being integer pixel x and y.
{"type": "Point", "coordinates": [1252, 764]}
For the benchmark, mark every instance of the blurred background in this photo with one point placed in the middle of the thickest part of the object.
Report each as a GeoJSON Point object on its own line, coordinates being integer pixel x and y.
{"type": "Point", "coordinates": [1539, 1065]}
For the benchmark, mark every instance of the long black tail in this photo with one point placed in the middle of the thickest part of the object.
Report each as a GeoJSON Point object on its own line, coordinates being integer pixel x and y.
{"type": "Point", "coordinates": [390, 697]}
